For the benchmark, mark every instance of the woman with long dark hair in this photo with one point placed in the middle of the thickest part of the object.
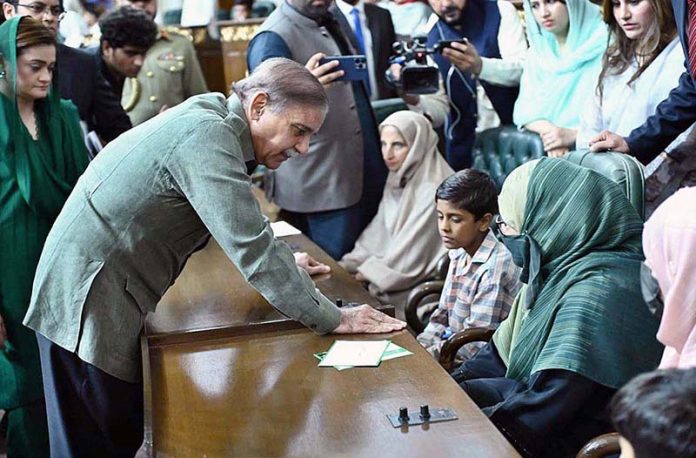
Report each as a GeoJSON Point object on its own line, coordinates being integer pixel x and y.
{"type": "Point", "coordinates": [641, 66]}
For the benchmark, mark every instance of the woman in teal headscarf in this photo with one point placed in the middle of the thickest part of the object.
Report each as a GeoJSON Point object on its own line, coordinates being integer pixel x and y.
{"type": "Point", "coordinates": [567, 39]}
{"type": "Point", "coordinates": [579, 329]}
{"type": "Point", "coordinates": [41, 156]}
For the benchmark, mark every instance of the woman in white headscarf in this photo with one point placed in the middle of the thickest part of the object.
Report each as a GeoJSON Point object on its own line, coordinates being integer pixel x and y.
{"type": "Point", "coordinates": [401, 246]}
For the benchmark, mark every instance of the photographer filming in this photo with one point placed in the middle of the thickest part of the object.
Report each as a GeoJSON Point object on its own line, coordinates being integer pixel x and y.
{"type": "Point", "coordinates": [480, 62]}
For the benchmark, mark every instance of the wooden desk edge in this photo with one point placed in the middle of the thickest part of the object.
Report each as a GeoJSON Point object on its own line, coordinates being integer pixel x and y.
{"type": "Point", "coordinates": [146, 450]}
{"type": "Point", "coordinates": [155, 337]}
{"type": "Point", "coordinates": [148, 447]}
{"type": "Point", "coordinates": [198, 335]}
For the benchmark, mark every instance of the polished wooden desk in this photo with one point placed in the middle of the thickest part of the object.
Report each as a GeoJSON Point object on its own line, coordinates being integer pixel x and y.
{"type": "Point", "coordinates": [211, 297]}
{"type": "Point", "coordinates": [226, 375]}
{"type": "Point", "coordinates": [262, 395]}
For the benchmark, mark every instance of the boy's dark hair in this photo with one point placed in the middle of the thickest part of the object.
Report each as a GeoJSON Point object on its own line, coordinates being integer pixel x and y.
{"type": "Point", "coordinates": [128, 26]}
{"type": "Point", "coordinates": [470, 190]}
{"type": "Point", "coordinates": [656, 413]}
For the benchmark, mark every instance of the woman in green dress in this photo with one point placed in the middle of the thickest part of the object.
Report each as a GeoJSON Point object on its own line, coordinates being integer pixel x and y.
{"type": "Point", "coordinates": [42, 154]}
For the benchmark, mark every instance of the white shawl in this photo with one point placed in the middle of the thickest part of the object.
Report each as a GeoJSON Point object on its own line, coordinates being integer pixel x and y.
{"type": "Point", "coordinates": [401, 246]}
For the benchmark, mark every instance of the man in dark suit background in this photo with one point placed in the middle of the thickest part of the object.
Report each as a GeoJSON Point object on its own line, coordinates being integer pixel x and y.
{"type": "Point", "coordinates": [79, 78]}
{"type": "Point", "coordinates": [126, 35]}
{"type": "Point", "coordinates": [373, 36]}
{"type": "Point", "coordinates": [676, 113]}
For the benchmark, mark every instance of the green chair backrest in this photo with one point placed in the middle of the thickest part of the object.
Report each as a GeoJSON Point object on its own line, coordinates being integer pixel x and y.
{"type": "Point", "coordinates": [624, 170]}
{"type": "Point", "coordinates": [500, 150]}
{"type": "Point", "coordinates": [262, 8]}
{"type": "Point", "coordinates": [384, 108]}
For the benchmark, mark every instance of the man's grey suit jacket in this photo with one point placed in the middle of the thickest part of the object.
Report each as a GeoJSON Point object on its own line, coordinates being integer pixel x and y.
{"type": "Point", "coordinates": [135, 216]}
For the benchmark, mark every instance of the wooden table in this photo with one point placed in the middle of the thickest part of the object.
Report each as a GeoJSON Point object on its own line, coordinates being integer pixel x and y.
{"type": "Point", "coordinates": [227, 375]}
{"type": "Point", "coordinates": [263, 395]}
{"type": "Point", "coordinates": [211, 297]}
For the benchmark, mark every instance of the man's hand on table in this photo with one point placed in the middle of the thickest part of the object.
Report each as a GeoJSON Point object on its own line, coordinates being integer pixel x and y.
{"type": "Point", "coordinates": [310, 265]}
{"type": "Point", "coordinates": [366, 320]}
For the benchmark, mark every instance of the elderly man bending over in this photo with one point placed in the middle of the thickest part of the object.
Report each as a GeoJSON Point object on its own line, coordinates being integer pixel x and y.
{"type": "Point", "coordinates": [133, 219]}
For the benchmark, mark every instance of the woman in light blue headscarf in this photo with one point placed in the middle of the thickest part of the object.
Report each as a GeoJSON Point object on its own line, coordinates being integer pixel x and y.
{"type": "Point", "coordinates": [567, 39]}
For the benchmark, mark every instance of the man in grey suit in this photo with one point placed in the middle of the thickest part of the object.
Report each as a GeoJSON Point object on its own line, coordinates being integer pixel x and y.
{"type": "Point", "coordinates": [125, 233]}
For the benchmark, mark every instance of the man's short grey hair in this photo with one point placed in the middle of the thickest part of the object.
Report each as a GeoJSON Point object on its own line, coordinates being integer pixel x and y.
{"type": "Point", "coordinates": [286, 82]}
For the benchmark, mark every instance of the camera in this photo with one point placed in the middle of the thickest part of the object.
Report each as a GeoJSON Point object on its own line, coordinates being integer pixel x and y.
{"type": "Point", "coordinates": [417, 76]}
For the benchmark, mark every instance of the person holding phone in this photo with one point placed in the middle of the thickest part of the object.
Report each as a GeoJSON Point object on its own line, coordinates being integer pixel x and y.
{"type": "Point", "coordinates": [480, 71]}
{"type": "Point", "coordinates": [331, 193]}
{"type": "Point", "coordinates": [371, 31]}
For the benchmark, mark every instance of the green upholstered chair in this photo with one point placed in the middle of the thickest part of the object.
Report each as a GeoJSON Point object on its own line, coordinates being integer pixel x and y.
{"type": "Point", "coordinates": [620, 168]}
{"type": "Point", "coordinates": [384, 108]}
{"type": "Point", "coordinates": [262, 8]}
{"type": "Point", "coordinates": [500, 150]}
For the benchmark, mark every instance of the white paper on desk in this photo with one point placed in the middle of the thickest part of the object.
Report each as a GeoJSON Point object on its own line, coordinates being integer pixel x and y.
{"type": "Point", "coordinates": [283, 229]}
{"type": "Point", "coordinates": [355, 353]}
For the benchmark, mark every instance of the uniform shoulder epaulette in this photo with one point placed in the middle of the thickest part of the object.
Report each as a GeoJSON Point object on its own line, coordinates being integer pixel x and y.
{"type": "Point", "coordinates": [170, 32]}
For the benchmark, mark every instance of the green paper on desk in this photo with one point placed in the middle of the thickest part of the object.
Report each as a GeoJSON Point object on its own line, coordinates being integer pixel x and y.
{"type": "Point", "coordinates": [392, 351]}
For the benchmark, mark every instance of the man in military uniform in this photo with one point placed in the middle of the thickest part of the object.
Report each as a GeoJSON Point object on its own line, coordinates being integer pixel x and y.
{"type": "Point", "coordinates": [170, 74]}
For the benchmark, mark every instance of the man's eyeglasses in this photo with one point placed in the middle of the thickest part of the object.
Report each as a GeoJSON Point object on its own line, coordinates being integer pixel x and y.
{"type": "Point", "coordinates": [41, 8]}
